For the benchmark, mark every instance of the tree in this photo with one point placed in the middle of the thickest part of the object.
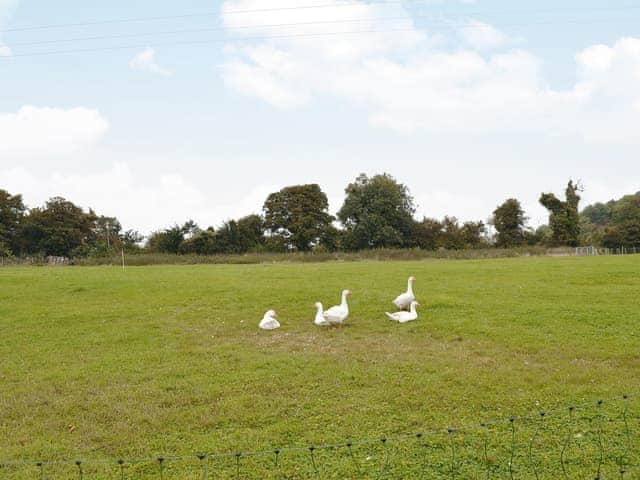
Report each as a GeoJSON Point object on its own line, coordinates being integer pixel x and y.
{"type": "Point", "coordinates": [564, 219]}
{"type": "Point", "coordinates": [202, 242]}
{"type": "Point", "coordinates": [377, 213]}
{"type": "Point", "coordinates": [426, 234]}
{"type": "Point", "coordinates": [106, 237]}
{"type": "Point", "coordinates": [59, 228]}
{"type": "Point", "coordinates": [624, 229]}
{"type": "Point", "coordinates": [12, 212]}
{"type": "Point", "coordinates": [228, 238]}
{"type": "Point", "coordinates": [451, 236]}
{"type": "Point", "coordinates": [509, 221]}
{"type": "Point", "coordinates": [299, 214]}
{"type": "Point", "coordinates": [131, 240]}
{"type": "Point", "coordinates": [170, 239]}
{"type": "Point", "coordinates": [251, 233]}
{"type": "Point", "coordinates": [598, 213]}
{"type": "Point", "coordinates": [473, 234]}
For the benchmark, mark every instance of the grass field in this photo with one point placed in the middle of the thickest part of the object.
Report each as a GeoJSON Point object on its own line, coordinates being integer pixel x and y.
{"type": "Point", "coordinates": [101, 363]}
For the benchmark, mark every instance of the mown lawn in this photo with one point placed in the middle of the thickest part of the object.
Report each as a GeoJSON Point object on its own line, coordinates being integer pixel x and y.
{"type": "Point", "coordinates": [98, 363]}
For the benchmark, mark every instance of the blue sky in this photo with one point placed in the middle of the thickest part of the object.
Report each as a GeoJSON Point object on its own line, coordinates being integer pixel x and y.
{"type": "Point", "coordinates": [468, 103]}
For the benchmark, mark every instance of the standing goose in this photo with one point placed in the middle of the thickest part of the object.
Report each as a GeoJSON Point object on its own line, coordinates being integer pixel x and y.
{"type": "Point", "coordinates": [404, 317]}
{"type": "Point", "coordinates": [269, 321]}
{"type": "Point", "coordinates": [320, 320]}
{"type": "Point", "coordinates": [403, 301]}
{"type": "Point", "coordinates": [336, 316]}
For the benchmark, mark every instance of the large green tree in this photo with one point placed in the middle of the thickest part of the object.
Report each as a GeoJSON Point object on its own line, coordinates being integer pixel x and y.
{"type": "Point", "coordinates": [509, 221]}
{"type": "Point", "coordinates": [624, 229]}
{"type": "Point", "coordinates": [377, 212]}
{"type": "Point", "coordinates": [12, 212]}
{"type": "Point", "coordinates": [564, 218]}
{"type": "Point", "coordinates": [59, 228]}
{"type": "Point", "coordinates": [299, 214]}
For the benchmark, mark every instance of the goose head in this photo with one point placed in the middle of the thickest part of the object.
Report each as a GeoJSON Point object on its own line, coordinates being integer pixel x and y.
{"type": "Point", "coordinates": [271, 313]}
{"type": "Point", "coordinates": [318, 305]}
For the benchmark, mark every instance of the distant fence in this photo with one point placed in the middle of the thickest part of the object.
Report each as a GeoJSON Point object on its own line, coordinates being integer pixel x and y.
{"type": "Point", "coordinates": [34, 260]}
{"type": "Point", "coordinates": [594, 440]}
{"type": "Point", "coordinates": [142, 259]}
{"type": "Point", "coordinates": [622, 250]}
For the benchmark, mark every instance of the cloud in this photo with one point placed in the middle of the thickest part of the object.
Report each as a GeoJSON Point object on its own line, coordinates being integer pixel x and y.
{"type": "Point", "coordinates": [6, 10]}
{"type": "Point", "coordinates": [145, 61]}
{"type": "Point", "coordinates": [482, 36]}
{"type": "Point", "coordinates": [33, 131]}
{"type": "Point", "coordinates": [410, 81]}
{"type": "Point", "coordinates": [140, 201]}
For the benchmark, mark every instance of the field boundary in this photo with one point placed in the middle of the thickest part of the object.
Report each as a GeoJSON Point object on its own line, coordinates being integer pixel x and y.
{"type": "Point", "coordinates": [144, 259]}
{"type": "Point", "coordinates": [448, 443]}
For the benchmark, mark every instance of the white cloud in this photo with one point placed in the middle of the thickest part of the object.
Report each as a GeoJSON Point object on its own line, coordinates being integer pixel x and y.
{"type": "Point", "coordinates": [482, 36]}
{"type": "Point", "coordinates": [145, 61]}
{"type": "Point", "coordinates": [408, 81]}
{"type": "Point", "coordinates": [49, 131]}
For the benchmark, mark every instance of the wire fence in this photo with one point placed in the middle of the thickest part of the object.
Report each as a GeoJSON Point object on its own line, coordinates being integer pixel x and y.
{"type": "Point", "coordinates": [622, 250]}
{"type": "Point", "coordinates": [596, 440]}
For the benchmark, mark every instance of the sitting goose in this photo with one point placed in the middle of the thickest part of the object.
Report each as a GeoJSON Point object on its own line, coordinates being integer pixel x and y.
{"type": "Point", "coordinates": [404, 317]}
{"type": "Point", "coordinates": [335, 316]}
{"type": "Point", "coordinates": [403, 301]}
{"type": "Point", "coordinates": [269, 321]}
{"type": "Point", "coordinates": [320, 320]}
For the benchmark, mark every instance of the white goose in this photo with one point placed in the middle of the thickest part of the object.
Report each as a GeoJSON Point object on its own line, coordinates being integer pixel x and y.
{"type": "Point", "coordinates": [403, 301]}
{"type": "Point", "coordinates": [269, 321]}
{"type": "Point", "coordinates": [336, 316]}
{"type": "Point", "coordinates": [404, 317]}
{"type": "Point", "coordinates": [320, 320]}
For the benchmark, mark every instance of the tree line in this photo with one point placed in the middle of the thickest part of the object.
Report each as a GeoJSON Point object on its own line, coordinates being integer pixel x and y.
{"type": "Point", "coordinates": [378, 212]}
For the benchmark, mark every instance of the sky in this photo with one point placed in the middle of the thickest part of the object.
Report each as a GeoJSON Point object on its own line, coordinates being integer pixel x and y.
{"type": "Point", "coordinates": [157, 112]}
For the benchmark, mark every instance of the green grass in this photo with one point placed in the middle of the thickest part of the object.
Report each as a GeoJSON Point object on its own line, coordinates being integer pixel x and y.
{"type": "Point", "coordinates": [101, 363]}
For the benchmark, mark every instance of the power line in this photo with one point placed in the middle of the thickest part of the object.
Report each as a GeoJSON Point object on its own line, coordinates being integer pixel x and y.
{"type": "Point", "coordinates": [439, 25]}
{"type": "Point", "coordinates": [240, 39]}
{"type": "Point", "coordinates": [202, 42]}
{"type": "Point", "coordinates": [300, 7]}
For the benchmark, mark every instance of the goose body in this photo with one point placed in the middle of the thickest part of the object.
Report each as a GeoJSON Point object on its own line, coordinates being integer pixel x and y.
{"type": "Point", "coordinates": [320, 320]}
{"type": "Point", "coordinates": [338, 314]}
{"type": "Point", "coordinates": [269, 321]}
{"type": "Point", "coordinates": [404, 317]}
{"type": "Point", "coordinates": [403, 301]}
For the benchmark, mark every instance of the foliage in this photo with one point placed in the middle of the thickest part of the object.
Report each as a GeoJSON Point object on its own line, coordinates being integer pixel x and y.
{"type": "Point", "coordinates": [430, 234]}
{"type": "Point", "coordinates": [60, 228]}
{"type": "Point", "coordinates": [612, 225]}
{"type": "Point", "coordinates": [168, 240]}
{"type": "Point", "coordinates": [377, 213]}
{"type": "Point", "coordinates": [299, 214]}
{"type": "Point", "coordinates": [598, 213]}
{"type": "Point", "coordinates": [564, 219]}
{"type": "Point", "coordinates": [509, 221]}
{"type": "Point", "coordinates": [12, 212]}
